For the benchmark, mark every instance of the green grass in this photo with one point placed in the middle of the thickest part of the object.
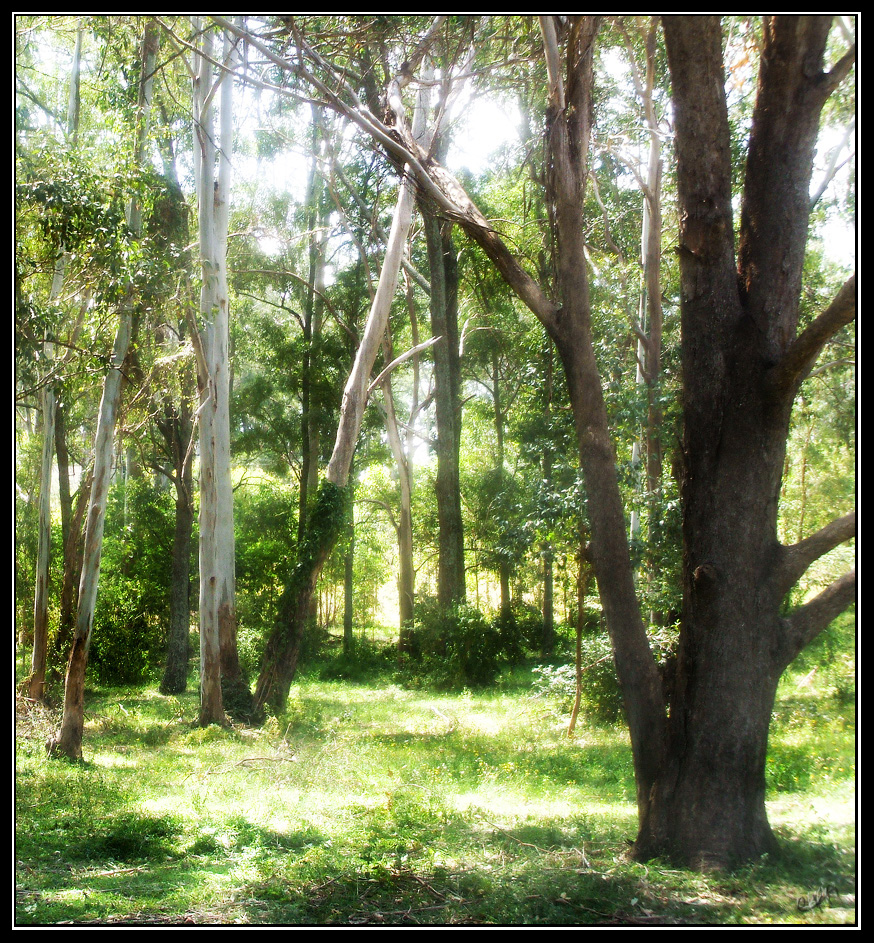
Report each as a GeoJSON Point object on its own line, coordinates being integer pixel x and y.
{"type": "Point", "coordinates": [370, 804]}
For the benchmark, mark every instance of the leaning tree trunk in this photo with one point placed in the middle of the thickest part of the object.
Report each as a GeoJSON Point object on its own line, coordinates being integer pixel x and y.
{"type": "Point", "coordinates": [68, 741]}
{"type": "Point", "coordinates": [742, 366]}
{"type": "Point", "coordinates": [568, 129]}
{"type": "Point", "coordinates": [328, 516]}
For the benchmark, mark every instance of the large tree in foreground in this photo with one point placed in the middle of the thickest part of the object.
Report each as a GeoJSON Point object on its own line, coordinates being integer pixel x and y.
{"type": "Point", "coordinates": [744, 360]}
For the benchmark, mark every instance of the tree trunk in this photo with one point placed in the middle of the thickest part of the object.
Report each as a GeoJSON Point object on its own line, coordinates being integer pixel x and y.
{"type": "Point", "coordinates": [36, 683]}
{"type": "Point", "coordinates": [707, 806]}
{"type": "Point", "coordinates": [177, 428]}
{"type": "Point", "coordinates": [444, 324]}
{"type": "Point", "coordinates": [219, 662]}
{"type": "Point", "coordinates": [72, 571]}
{"type": "Point", "coordinates": [349, 580]}
{"type": "Point", "coordinates": [406, 568]}
{"type": "Point", "coordinates": [68, 741]}
{"type": "Point", "coordinates": [547, 639]}
{"type": "Point", "coordinates": [569, 118]}
{"type": "Point", "coordinates": [328, 515]}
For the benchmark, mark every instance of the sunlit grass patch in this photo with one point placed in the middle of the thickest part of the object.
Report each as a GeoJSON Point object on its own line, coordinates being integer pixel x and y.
{"type": "Point", "coordinates": [370, 804]}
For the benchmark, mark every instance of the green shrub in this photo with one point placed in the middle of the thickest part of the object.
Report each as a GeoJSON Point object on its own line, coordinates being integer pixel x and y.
{"type": "Point", "coordinates": [600, 697]}
{"type": "Point", "coordinates": [130, 617]}
{"type": "Point", "coordinates": [456, 647]}
{"type": "Point", "coordinates": [129, 636]}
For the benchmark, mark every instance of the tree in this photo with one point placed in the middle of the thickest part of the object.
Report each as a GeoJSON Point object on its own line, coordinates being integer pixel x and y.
{"type": "Point", "coordinates": [219, 663]}
{"type": "Point", "coordinates": [699, 761]}
{"type": "Point", "coordinates": [744, 359]}
{"type": "Point", "coordinates": [328, 516]}
{"type": "Point", "coordinates": [68, 741]}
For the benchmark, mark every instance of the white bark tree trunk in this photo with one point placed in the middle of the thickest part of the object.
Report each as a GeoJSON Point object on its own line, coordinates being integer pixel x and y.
{"type": "Point", "coordinates": [217, 576]}
{"type": "Point", "coordinates": [48, 399]}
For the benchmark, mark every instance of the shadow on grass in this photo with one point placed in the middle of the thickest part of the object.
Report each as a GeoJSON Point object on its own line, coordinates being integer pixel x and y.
{"type": "Point", "coordinates": [414, 862]}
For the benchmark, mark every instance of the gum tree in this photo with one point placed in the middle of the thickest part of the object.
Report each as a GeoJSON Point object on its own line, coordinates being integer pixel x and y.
{"type": "Point", "coordinates": [68, 741]}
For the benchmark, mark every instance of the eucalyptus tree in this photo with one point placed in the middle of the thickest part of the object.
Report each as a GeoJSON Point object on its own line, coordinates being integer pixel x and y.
{"type": "Point", "coordinates": [68, 741]}
{"type": "Point", "coordinates": [213, 154]}
{"type": "Point", "coordinates": [48, 401]}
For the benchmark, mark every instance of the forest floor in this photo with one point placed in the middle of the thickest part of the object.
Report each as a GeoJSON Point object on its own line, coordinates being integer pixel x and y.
{"type": "Point", "coordinates": [371, 804]}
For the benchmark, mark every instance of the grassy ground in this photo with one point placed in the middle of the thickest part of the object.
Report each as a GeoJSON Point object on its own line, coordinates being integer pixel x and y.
{"type": "Point", "coordinates": [370, 804]}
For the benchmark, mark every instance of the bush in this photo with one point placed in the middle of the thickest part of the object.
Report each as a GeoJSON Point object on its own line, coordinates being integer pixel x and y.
{"type": "Point", "coordinates": [130, 616]}
{"type": "Point", "coordinates": [456, 648]}
{"type": "Point", "coordinates": [128, 637]}
{"type": "Point", "coordinates": [600, 697]}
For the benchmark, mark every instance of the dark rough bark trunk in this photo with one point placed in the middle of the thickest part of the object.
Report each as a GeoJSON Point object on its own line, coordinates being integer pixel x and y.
{"type": "Point", "coordinates": [177, 429]}
{"type": "Point", "coordinates": [444, 324]}
{"type": "Point", "coordinates": [739, 321]}
{"type": "Point", "coordinates": [175, 675]}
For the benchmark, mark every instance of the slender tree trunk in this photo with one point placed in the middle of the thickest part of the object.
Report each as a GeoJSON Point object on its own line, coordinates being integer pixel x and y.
{"type": "Point", "coordinates": [36, 683]}
{"type": "Point", "coordinates": [219, 662]}
{"type": "Point", "coordinates": [444, 324]}
{"type": "Point", "coordinates": [72, 570]}
{"type": "Point", "coordinates": [68, 741]}
{"type": "Point", "coordinates": [177, 428]}
{"type": "Point", "coordinates": [547, 642]}
{"type": "Point", "coordinates": [406, 568]}
{"type": "Point", "coordinates": [349, 579]}
{"type": "Point", "coordinates": [569, 118]}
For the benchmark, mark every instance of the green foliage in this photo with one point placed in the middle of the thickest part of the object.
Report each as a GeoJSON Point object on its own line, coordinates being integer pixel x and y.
{"type": "Point", "coordinates": [128, 637]}
{"type": "Point", "coordinates": [265, 520]}
{"type": "Point", "coordinates": [130, 619]}
{"type": "Point", "coordinates": [600, 697]}
{"type": "Point", "coordinates": [457, 648]}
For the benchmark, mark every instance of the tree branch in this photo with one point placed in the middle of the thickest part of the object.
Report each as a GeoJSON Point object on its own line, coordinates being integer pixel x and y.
{"type": "Point", "coordinates": [786, 376]}
{"type": "Point", "coordinates": [796, 558]}
{"type": "Point", "coordinates": [433, 179]}
{"type": "Point", "coordinates": [401, 359]}
{"type": "Point", "coordinates": [806, 623]}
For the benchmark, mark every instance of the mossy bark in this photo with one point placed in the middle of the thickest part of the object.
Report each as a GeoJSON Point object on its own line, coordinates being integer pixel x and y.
{"type": "Point", "coordinates": [324, 526]}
